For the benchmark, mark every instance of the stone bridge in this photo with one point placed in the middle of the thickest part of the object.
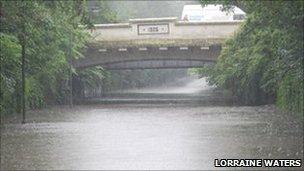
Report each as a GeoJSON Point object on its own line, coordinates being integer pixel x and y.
{"type": "Point", "coordinates": [155, 43]}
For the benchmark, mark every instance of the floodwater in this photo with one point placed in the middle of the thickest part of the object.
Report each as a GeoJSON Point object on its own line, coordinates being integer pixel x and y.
{"type": "Point", "coordinates": [166, 128]}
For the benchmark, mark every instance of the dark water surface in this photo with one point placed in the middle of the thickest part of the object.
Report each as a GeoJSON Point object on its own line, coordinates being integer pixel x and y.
{"type": "Point", "coordinates": [168, 128]}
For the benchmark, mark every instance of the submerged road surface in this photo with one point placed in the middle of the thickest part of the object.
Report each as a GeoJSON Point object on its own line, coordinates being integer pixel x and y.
{"type": "Point", "coordinates": [169, 128]}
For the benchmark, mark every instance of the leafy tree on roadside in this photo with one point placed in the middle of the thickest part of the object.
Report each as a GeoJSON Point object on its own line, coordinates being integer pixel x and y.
{"type": "Point", "coordinates": [264, 60]}
{"type": "Point", "coordinates": [50, 35]}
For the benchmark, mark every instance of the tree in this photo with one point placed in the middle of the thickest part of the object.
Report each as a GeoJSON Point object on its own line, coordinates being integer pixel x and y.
{"type": "Point", "coordinates": [48, 36]}
{"type": "Point", "coordinates": [264, 60]}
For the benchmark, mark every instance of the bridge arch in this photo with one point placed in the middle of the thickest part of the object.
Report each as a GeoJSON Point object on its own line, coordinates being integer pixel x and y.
{"type": "Point", "coordinates": [181, 56]}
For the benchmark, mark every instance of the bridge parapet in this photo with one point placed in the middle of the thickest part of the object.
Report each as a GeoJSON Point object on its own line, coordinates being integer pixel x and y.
{"type": "Point", "coordinates": [162, 32]}
{"type": "Point", "coordinates": [163, 42]}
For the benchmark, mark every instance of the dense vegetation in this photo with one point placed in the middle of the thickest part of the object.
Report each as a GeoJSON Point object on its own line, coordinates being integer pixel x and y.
{"type": "Point", "coordinates": [264, 60]}
{"type": "Point", "coordinates": [46, 34]}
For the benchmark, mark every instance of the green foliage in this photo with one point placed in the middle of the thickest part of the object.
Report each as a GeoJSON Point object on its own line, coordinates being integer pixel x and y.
{"type": "Point", "coordinates": [290, 96]}
{"type": "Point", "coordinates": [34, 93]}
{"type": "Point", "coordinates": [201, 72]}
{"type": "Point", "coordinates": [93, 77]}
{"type": "Point", "coordinates": [264, 60]}
{"type": "Point", "coordinates": [53, 38]}
{"type": "Point", "coordinates": [10, 64]}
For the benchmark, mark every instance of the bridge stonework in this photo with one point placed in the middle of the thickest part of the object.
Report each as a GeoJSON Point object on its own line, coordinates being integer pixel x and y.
{"type": "Point", "coordinates": [125, 45]}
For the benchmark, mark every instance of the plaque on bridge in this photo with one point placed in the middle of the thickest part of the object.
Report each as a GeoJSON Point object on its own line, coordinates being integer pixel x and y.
{"type": "Point", "coordinates": [144, 29]}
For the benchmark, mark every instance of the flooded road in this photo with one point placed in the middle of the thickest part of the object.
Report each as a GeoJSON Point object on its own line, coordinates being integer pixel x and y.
{"type": "Point", "coordinates": [168, 128]}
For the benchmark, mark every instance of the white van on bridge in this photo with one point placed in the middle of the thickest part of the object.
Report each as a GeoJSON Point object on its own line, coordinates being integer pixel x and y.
{"type": "Point", "coordinates": [197, 13]}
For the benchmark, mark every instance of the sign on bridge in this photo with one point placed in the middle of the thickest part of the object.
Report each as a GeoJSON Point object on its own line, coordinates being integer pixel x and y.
{"type": "Point", "coordinates": [144, 29]}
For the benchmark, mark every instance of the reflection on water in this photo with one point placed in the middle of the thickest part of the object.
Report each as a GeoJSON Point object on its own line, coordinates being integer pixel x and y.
{"type": "Point", "coordinates": [163, 135]}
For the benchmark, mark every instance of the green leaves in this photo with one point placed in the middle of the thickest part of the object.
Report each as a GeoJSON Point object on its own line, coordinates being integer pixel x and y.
{"type": "Point", "coordinates": [9, 66]}
{"type": "Point", "coordinates": [53, 38]}
{"type": "Point", "coordinates": [265, 58]}
{"type": "Point", "coordinates": [92, 77]}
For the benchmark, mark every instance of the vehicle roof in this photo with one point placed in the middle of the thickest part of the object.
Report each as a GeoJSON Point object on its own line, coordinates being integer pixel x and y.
{"type": "Point", "coordinates": [213, 8]}
{"type": "Point", "coordinates": [193, 7]}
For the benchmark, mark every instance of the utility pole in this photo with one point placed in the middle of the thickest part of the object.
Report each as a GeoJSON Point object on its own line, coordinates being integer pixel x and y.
{"type": "Point", "coordinates": [71, 73]}
{"type": "Point", "coordinates": [23, 41]}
